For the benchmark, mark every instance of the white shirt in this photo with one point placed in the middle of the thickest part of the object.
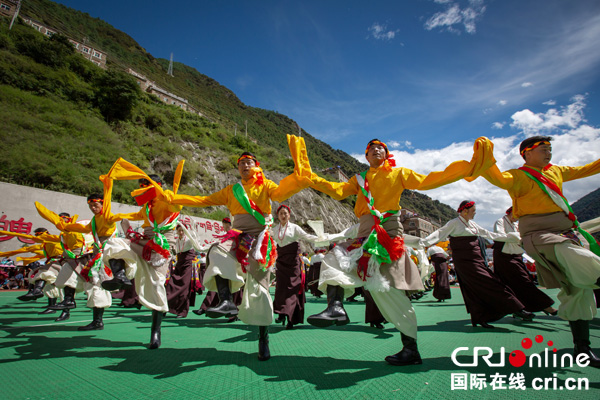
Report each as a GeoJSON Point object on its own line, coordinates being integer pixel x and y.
{"type": "Point", "coordinates": [436, 250]}
{"type": "Point", "coordinates": [290, 233]}
{"type": "Point", "coordinates": [505, 225]}
{"type": "Point", "coordinates": [183, 245]}
{"type": "Point", "coordinates": [318, 257]}
{"type": "Point", "coordinates": [460, 227]}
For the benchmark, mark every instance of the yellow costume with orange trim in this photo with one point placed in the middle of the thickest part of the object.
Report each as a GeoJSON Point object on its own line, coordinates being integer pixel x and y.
{"type": "Point", "coordinates": [356, 262]}
{"type": "Point", "coordinates": [562, 256]}
{"type": "Point", "coordinates": [147, 256]}
{"type": "Point", "coordinates": [241, 260]}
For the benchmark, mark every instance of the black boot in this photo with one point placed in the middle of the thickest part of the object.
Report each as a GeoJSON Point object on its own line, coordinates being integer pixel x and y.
{"type": "Point", "coordinates": [263, 343]}
{"type": "Point", "coordinates": [69, 301]}
{"type": "Point", "coordinates": [199, 311]}
{"type": "Point", "coordinates": [409, 354]}
{"type": "Point", "coordinates": [96, 323]}
{"type": "Point", "coordinates": [119, 279]}
{"type": "Point", "coordinates": [51, 302]}
{"type": "Point", "coordinates": [36, 293]}
{"type": "Point", "coordinates": [524, 315]}
{"type": "Point", "coordinates": [27, 296]}
{"type": "Point", "coordinates": [581, 338]}
{"type": "Point", "coordinates": [334, 313]}
{"type": "Point", "coordinates": [155, 333]}
{"type": "Point", "coordinates": [65, 315]}
{"type": "Point", "coordinates": [226, 306]}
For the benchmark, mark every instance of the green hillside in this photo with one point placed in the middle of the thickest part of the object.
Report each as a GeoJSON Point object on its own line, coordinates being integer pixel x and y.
{"type": "Point", "coordinates": [65, 120]}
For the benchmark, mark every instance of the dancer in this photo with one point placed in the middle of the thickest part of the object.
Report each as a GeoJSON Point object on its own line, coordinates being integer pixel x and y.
{"type": "Point", "coordinates": [486, 298]}
{"type": "Point", "coordinates": [441, 287]}
{"type": "Point", "coordinates": [74, 275]}
{"type": "Point", "coordinates": [49, 247]}
{"type": "Point", "coordinates": [146, 256]}
{"type": "Point", "coordinates": [381, 263]}
{"type": "Point", "coordinates": [247, 253]}
{"type": "Point", "coordinates": [289, 273]}
{"type": "Point", "coordinates": [566, 256]}
{"type": "Point", "coordinates": [179, 286]}
{"type": "Point", "coordinates": [510, 268]}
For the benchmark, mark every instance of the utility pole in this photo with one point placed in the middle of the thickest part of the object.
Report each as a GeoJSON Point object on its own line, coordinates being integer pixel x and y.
{"type": "Point", "coordinates": [15, 15]}
{"type": "Point", "coordinates": [170, 70]}
{"type": "Point", "coordinates": [235, 132]}
{"type": "Point", "coordinates": [246, 123]}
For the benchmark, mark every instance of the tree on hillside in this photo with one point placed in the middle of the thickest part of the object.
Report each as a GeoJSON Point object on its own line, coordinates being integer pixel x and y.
{"type": "Point", "coordinates": [116, 95]}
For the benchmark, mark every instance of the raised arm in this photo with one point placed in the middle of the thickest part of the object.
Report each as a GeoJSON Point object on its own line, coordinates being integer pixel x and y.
{"type": "Point", "coordinates": [572, 173]}
{"type": "Point", "coordinates": [482, 160]}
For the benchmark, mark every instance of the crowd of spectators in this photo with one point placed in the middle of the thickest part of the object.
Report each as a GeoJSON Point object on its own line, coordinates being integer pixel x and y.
{"type": "Point", "coordinates": [12, 276]}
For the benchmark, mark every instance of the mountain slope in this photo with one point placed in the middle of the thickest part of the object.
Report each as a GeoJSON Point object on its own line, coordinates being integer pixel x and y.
{"type": "Point", "coordinates": [56, 121]}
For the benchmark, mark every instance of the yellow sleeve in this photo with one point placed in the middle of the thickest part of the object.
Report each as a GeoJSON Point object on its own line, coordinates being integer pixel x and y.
{"type": "Point", "coordinates": [572, 173]}
{"type": "Point", "coordinates": [74, 227]}
{"type": "Point", "coordinates": [134, 216]}
{"type": "Point", "coordinates": [503, 180]}
{"type": "Point", "coordinates": [48, 215]}
{"type": "Point", "coordinates": [336, 190]}
{"type": "Point", "coordinates": [219, 198]}
{"type": "Point", "coordinates": [27, 249]}
{"type": "Point", "coordinates": [482, 160]}
{"type": "Point", "coordinates": [23, 235]}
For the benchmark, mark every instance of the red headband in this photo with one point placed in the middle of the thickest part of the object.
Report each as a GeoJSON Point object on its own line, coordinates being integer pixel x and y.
{"type": "Point", "coordinates": [533, 146]}
{"type": "Point", "coordinates": [283, 206]}
{"type": "Point", "coordinates": [95, 201]}
{"type": "Point", "coordinates": [509, 210]}
{"type": "Point", "coordinates": [372, 142]}
{"type": "Point", "coordinates": [250, 157]}
{"type": "Point", "coordinates": [464, 207]}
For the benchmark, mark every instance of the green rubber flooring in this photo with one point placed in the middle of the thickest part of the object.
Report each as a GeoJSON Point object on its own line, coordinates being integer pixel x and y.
{"type": "Point", "coordinates": [202, 358]}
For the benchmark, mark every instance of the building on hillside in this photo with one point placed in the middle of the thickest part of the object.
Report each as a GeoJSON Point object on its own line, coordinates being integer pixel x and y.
{"type": "Point", "coordinates": [337, 173]}
{"type": "Point", "coordinates": [151, 87]}
{"type": "Point", "coordinates": [90, 52]}
{"type": "Point", "coordinates": [416, 225]}
{"type": "Point", "coordinates": [8, 7]}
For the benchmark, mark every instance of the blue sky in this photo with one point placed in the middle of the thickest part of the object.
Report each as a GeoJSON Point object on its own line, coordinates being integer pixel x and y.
{"type": "Point", "coordinates": [426, 76]}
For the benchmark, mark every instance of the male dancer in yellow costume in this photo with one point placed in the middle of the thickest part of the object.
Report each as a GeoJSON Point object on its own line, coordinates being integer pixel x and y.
{"type": "Point", "coordinates": [566, 256]}
{"type": "Point", "coordinates": [377, 259]}
{"type": "Point", "coordinates": [247, 253]}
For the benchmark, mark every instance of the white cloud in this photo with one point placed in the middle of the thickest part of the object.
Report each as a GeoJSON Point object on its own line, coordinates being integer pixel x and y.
{"type": "Point", "coordinates": [549, 103]}
{"type": "Point", "coordinates": [394, 144]}
{"type": "Point", "coordinates": [498, 125]}
{"type": "Point", "coordinates": [502, 102]}
{"type": "Point", "coordinates": [567, 117]}
{"type": "Point", "coordinates": [574, 144]}
{"type": "Point", "coordinates": [381, 32]}
{"type": "Point", "coordinates": [454, 15]}
{"type": "Point", "coordinates": [527, 84]}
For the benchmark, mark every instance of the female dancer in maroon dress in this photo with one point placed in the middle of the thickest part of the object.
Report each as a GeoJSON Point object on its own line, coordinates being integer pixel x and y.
{"type": "Point", "coordinates": [486, 298]}
{"type": "Point", "coordinates": [289, 288]}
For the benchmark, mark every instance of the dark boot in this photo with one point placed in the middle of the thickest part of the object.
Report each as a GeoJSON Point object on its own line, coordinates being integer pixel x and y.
{"type": "Point", "coordinates": [524, 315]}
{"type": "Point", "coordinates": [199, 311]}
{"type": "Point", "coordinates": [409, 354]}
{"type": "Point", "coordinates": [96, 323]}
{"type": "Point", "coordinates": [334, 313]}
{"type": "Point", "coordinates": [36, 293]}
{"type": "Point", "coordinates": [69, 301]}
{"type": "Point", "coordinates": [119, 279]}
{"type": "Point", "coordinates": [226, 306]}
{"type": "Point", "coordinates": [51, 302]}
{"type": "Point", "coordinates": [581, 338]}
{"type": "Point", "coordinates": [155, 333]}
{"type": "Point", "coordinates": [65, 315]}
{"type": "Point", "coordinates": [27, 296]}
{"type": "Point", "coordinates": [263, 343]}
